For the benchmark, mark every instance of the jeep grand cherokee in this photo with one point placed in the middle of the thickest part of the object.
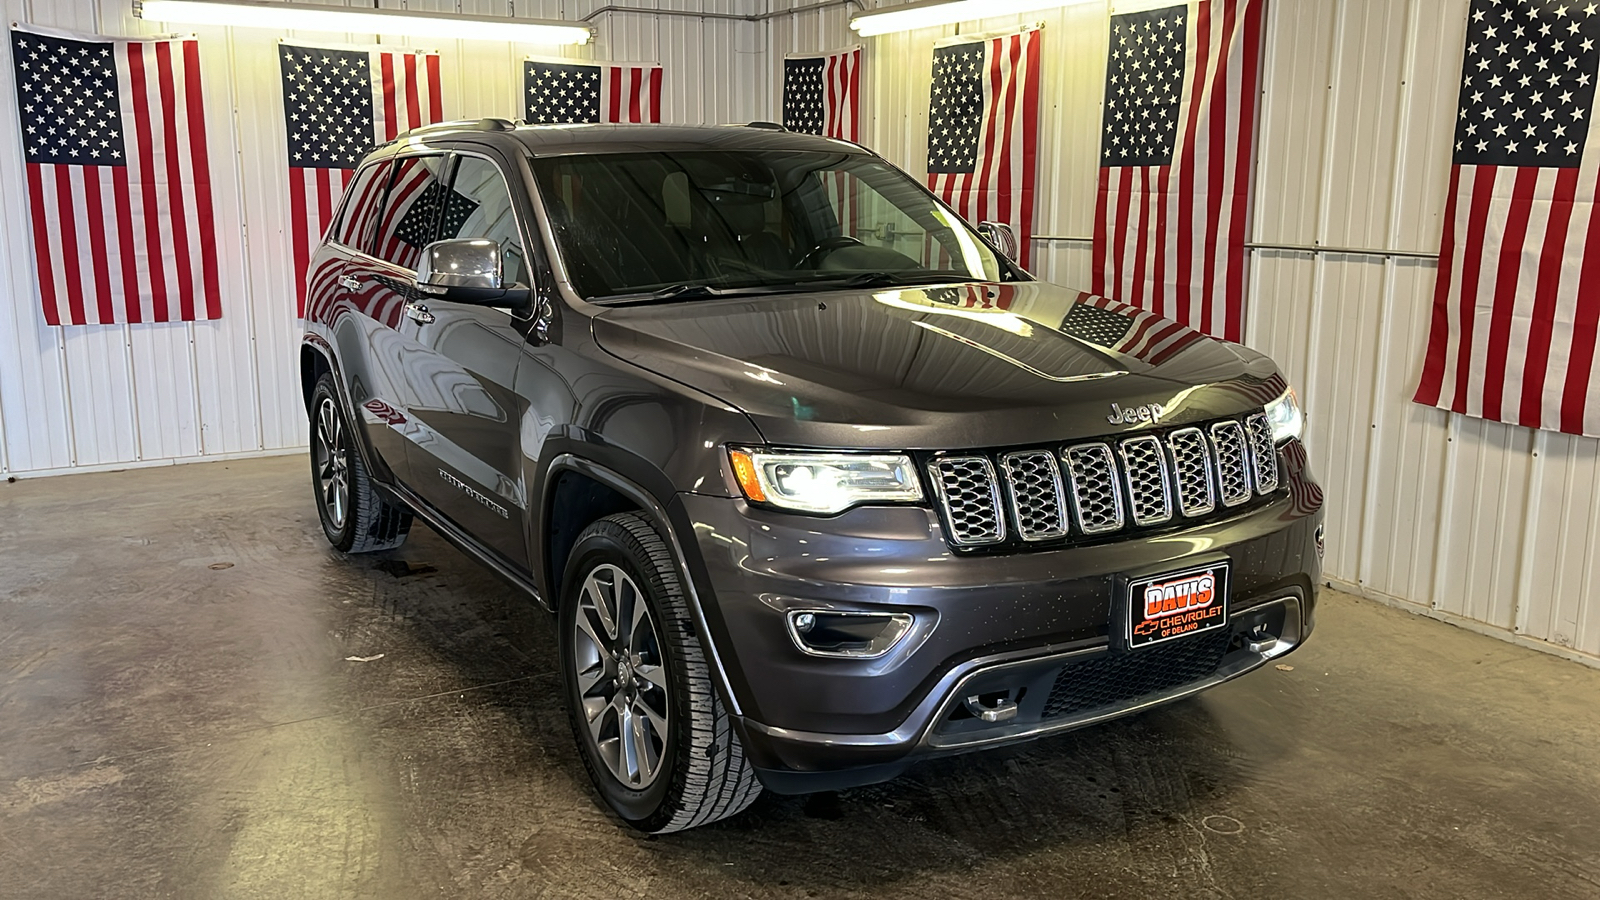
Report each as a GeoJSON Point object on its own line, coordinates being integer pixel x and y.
{"type": "Point", "coordinates": [816, 480]}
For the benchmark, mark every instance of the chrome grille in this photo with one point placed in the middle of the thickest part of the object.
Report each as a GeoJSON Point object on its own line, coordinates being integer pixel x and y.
{"type": "Point", "coordinates": [971, 498]}
{"type": "Point", "coordinates": [1233, 464]}
{"type": "Point", "coordinates": [1101, 487]}
{"type": "Point", "coordinates": [1033, 483]}
{"type": "Point", "coordinates": [1263, 453]}
{"type": "Point", "coordinates": [1191, 463]}
{"type": "Point", "coordinates": [1144, 464]}
{"type": "Point", "coordinates": [1092, 473]}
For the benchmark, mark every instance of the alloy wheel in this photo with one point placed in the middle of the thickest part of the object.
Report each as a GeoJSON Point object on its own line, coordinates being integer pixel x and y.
{"type": "Point", "coordinates": [333, 463]}
{"type": "Point", "coordinates": [621, 676]}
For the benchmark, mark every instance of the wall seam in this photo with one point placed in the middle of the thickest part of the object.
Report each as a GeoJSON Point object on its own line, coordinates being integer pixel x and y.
{"type": "Point", "coordinates": [1380, 382]}
{"type": "Point", "coordinates": [249, 304]}
{"type": "Point", "coordinates": [1319, 268]}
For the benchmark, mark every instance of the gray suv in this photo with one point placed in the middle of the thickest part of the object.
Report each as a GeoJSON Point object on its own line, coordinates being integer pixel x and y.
{"type": "Point", "coordinates": [817, 482]}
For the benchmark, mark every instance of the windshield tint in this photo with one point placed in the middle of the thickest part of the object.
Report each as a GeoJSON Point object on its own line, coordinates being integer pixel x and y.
{"type": "Point", "coordinates": [690, 225]}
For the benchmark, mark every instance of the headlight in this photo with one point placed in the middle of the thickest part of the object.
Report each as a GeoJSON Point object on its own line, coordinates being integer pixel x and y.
{"type": "Point", "coordinates": [1287, 420]}
{"type": "Point", "coordinates": [823, 483]}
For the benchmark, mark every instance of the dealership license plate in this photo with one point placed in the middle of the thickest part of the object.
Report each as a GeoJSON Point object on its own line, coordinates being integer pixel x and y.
{"type": "Point", "coordinates": [1177, 604]}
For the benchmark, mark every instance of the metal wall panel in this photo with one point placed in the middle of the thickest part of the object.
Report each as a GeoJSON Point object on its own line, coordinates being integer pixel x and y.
{"type": "Point", "coordinates": [85, 397]}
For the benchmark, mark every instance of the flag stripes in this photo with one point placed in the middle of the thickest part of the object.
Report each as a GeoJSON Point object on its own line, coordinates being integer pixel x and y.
{"type": "Point", "coordinates": [843, 76]}
{"type": "Point", "coordinates": [633, 93]}
{"type": "Point", "coordinates": [1517, 303]}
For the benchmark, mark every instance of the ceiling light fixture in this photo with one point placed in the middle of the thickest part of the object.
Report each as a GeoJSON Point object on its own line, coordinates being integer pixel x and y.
{"type": "Point", "coordinates": [945, 12]}
{"type": "Point", "coordinates": [312, 17]}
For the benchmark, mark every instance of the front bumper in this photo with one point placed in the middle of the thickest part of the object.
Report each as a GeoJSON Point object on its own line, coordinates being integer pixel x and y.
{"type": "Point", "coordinates": [1031, 630]}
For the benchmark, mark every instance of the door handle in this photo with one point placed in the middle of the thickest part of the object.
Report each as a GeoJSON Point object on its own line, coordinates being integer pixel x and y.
{"type": "Point", "coordinates": [350, 282]}
{"type": "Point", "coordinates": [419, 313]}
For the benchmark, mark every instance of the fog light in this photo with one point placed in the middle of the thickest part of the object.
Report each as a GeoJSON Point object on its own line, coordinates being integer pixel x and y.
{"type": "Point", "coordinates": [850, 635]}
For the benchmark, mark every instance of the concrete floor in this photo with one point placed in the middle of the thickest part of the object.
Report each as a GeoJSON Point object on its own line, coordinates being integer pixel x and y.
{"type": "Point", "coordinates": [180, 717]}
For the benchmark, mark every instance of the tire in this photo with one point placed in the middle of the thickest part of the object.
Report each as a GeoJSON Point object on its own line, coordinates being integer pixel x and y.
{"type": "Point", "coordinates": [699, 773]}
{"type": "Point", "coordinates": [354, 517]}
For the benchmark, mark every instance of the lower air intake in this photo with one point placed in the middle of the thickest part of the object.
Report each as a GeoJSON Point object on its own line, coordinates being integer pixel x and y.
{"type": "Point", "coordinates": [1118, 678]}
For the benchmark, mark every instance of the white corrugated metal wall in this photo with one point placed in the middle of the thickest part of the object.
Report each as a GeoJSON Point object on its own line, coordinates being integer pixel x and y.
{"type": "Point", "coordinates": [108, 396]}
{"type": "Point", "coordinates": [1488, 525]}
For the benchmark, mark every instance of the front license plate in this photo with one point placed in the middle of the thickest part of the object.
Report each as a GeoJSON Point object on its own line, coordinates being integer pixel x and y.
{"type": "Point", "coordinates": [1177, 604]}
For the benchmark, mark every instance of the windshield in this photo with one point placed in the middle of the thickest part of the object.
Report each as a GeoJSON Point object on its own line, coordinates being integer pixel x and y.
{"type": "Point", "coordinates": [685, 225]}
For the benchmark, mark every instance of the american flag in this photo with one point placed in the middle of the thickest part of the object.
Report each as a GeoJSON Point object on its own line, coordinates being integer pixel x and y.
{"type": "Point", "coordinates": [1177, 153]}
{"type": "Point", "coordinates": [1128, 330]}
{"type": "Point", "coordinates": [119, 186]}
{"type": "Point", "coordinates": [822, 94]}
{"type": "Point", "coordinates": [983, 129]}
{"type": "Point", "coordinates": [559, 93]}
{"type": "Point", "coordinates": [340, 102]}
{"type": "Point", "coordinates": [1516, 308]}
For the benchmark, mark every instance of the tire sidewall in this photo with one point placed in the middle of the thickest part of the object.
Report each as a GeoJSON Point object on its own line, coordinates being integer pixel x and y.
{"type": "Point", "coordinates": [641, 809]}
{"type": "Point", "coordinates": [342, 538]}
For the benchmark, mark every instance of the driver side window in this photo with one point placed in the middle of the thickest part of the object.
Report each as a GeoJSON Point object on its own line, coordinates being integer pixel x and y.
{"type": "Point", "coordinates": [479, 206]}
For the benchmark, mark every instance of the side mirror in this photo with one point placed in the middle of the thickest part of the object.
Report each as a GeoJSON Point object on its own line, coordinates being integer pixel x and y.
{"type": "Point", "coordinates": [468, 271]}
{"type": "Point", "coordinates": [1003, 237]}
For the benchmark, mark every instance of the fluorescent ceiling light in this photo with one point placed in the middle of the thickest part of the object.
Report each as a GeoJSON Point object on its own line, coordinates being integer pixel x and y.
{"type": "Point", "coordinates": [311, 17]}
{"type": "Point", "coordinates": [945, 12]}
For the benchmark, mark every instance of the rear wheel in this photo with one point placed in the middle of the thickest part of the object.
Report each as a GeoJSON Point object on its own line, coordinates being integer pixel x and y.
{"type": "Point", "coordinates": [653, 734]}
{"type": "Point", "coordinates": [354, 517]}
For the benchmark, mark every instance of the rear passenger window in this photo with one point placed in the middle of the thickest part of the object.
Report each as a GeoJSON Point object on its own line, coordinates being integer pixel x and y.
{"type": "Point", "coordinates": [411, 214]}
{"type": "Point", "coordinates": [480, 207]}
{"type": "Point", "coordinates": [361, 210]}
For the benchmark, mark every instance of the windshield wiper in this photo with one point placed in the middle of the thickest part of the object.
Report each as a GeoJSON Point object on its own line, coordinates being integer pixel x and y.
{"type": "Point", "coordinates": [890, 279]}
{"type": "Point", "coordinates": [859, 280]}
{"type": "Point", "coordinates": [675, 292]}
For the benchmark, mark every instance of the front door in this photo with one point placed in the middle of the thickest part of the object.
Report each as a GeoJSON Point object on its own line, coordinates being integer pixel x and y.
{"type": "Point", "coordinates": [464, 457]}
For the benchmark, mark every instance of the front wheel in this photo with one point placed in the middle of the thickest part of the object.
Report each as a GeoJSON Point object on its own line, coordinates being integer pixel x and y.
{"type": "Point", "coordinates": [654, 737]}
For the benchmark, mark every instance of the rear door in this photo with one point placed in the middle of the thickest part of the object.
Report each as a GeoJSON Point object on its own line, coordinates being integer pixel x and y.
{"type": "Point", "coordinates": [461, 364]}
{"type": "Point", "coordinates": [362, 326]}
{"type": "Point", "coordinates": [386, 239]}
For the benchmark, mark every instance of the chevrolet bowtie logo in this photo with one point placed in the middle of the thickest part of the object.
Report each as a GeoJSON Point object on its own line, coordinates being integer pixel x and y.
{"type": "Point", "coordinates": [1134, 415]}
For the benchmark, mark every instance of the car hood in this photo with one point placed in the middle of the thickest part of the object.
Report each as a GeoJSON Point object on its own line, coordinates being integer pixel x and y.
{"type": "Point", "coordinates": [971, 365]}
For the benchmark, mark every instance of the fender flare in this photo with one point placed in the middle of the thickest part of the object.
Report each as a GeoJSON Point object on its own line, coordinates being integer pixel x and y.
{"type": "Point", "coordinates": [384, 477]}
{"type": "Point", "coordinates": [663, 521]}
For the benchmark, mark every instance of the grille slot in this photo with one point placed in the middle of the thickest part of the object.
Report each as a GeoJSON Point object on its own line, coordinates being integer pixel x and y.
{"type": "Point", "coordinates": [1144, 464]}
{"type": "Point", "coordinates": [1233, 463]}
{"type": "Point", "coordinates": [968, 490]}
{"type": "Point", "coordinates": [1091, 471]}
{"type": "Point", "coordinates": [1263, 453]}
{"type": "Point", "coordinates": [1191, 463]}
{"type": "Point", "coordinates": [1033, 481]}
{"type": "Point", "coordinates": [1118, 678]}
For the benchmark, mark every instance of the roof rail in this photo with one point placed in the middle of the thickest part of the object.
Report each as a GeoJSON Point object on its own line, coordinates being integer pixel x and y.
{"type": "Point", "coordinates": [485, 124]}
